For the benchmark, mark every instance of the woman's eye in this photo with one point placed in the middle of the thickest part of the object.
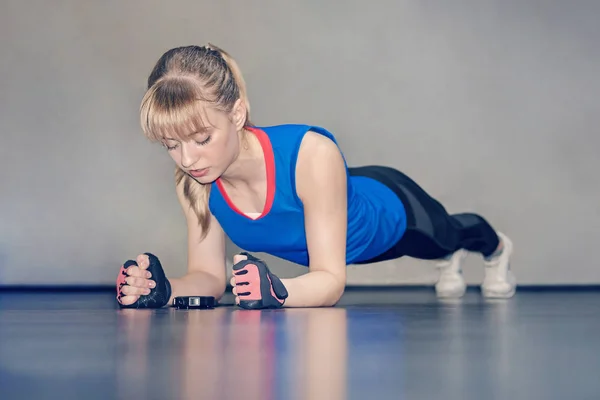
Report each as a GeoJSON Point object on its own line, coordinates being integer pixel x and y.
{"type": "Point", "coordinates": [205, 141]}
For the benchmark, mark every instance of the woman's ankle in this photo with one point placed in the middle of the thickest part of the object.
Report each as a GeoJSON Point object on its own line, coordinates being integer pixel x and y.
{"type": "Point", "coordinates": [498, 250]}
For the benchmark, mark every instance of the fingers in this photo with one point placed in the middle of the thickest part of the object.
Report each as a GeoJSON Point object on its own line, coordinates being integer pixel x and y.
{"type": "Point", "coordinates": [247, 283]}
{"type": "Point", "coordinates": [239, 257]}
{"type": "Point", "coordinates": [134, 291]}
{"type": "Point", "coordinates": [235, 284]}
{"type": "Point", "coordinates": [143, 261]}
{"type": "Point", "coordinates": [137, 282]}
{"type": "Point", "coordinates": [236, 259]}
{"type": "Point", "coordinates": [128, 300]}
{"type": "Point", "coordinates": [140, 282]}
{"type": "Point", "coordinates": [134, 280]}
{"type": "Point", "coordinates": [138, 272]}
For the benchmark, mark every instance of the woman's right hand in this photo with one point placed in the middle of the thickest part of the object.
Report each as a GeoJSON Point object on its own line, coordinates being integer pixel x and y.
{"type": "Point", "coordinates": [134, 281]}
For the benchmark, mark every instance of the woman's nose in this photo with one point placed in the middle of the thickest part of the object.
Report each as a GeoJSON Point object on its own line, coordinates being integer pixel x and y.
{"type": "Point", "coordinates": [188, 157]}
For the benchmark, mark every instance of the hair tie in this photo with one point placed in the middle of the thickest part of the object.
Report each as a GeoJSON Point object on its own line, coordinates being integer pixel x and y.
{"type": "Point", "coordinates": [211, 51]}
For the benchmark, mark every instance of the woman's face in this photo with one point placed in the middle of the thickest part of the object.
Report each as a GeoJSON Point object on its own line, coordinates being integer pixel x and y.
{"type": "Point", "coordinates": [208, 153]}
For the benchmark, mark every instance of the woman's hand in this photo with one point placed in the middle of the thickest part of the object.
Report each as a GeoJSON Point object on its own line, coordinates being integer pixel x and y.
{"type": "Point", "coordinates": [254, 286]}
{"type": "Point", "coordinates": [134, 281]}
{"type": "Point", "coordinates": [142, 283]}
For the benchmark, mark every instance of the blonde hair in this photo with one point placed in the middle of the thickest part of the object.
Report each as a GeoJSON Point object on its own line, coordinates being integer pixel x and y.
{"type": "Point", "coordinates": [183, 80]}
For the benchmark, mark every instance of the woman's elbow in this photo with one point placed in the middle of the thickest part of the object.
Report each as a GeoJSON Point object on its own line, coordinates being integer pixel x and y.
{"type": "Point", "coordinates": [337, 290]}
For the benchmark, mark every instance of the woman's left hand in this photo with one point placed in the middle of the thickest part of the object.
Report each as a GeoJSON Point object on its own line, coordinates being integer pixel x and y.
{"type": "Point", "coordinates": [254, 286]}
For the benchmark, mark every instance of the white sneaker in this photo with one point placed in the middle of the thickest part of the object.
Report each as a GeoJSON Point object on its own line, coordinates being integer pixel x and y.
{"type": "Point", "coordinates": [499, 281]}
{"type": "Point", "coordinates": [451, 283]}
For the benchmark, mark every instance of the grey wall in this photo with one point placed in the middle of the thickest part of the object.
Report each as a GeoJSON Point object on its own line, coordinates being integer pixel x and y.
{"type": "Point", "coordinates": [491, 106]}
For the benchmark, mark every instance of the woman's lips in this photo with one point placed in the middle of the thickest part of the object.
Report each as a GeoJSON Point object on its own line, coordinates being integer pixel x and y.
{"type": "Point", "coordinates": [198, 173]}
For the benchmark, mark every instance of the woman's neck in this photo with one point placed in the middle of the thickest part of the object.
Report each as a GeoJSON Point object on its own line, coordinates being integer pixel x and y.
{"type": "Point", "coordinates": [248, 167]}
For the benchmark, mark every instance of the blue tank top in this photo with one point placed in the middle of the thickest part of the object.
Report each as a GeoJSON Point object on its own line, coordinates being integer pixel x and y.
{"type": "Point", "coordinates": [376, 216]}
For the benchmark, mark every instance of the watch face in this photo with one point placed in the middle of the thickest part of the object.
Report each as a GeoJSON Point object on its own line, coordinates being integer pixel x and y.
{"type": "Point", "coordinates": [194, 301]}
{"type": "Point", "coordinates": [186, 302]}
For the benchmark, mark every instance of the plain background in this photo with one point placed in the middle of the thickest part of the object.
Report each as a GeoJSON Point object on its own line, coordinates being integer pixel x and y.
{"type": "Point", "coordinates": [492, 106]}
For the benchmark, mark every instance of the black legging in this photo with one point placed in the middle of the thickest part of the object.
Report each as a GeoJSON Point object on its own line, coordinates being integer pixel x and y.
{"type": "Point", "coordinates": [431, 232]}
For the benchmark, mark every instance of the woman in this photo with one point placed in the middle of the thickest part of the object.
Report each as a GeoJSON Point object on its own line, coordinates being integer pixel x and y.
{"type": "Point", "coordinates": [287, 191]}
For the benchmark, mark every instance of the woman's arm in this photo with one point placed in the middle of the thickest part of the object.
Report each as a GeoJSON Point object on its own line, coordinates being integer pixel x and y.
{"type": "Point", "coordinates": [321, 185]}
{"type": "Point", "coordinates": [206, 274]}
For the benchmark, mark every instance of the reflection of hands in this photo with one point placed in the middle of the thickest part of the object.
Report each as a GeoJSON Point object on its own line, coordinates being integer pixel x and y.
{"type": "Point", "coordinates": [230, 340]}
{"type": "Point", "coordinates": [134, 361]}
{"type": "Point", "coordinates": [254, 286]}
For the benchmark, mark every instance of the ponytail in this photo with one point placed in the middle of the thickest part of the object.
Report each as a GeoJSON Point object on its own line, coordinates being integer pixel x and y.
{"type": "Point", "coordinates": [239, 79]}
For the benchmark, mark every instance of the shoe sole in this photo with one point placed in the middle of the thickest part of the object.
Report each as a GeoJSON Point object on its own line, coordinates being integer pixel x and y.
{"type": "Point", "coordinates": [451, 293]}
{"type": "Point", "coordinates": [494, 294]}
{"type": "Point", "coordinates": [490, 294]}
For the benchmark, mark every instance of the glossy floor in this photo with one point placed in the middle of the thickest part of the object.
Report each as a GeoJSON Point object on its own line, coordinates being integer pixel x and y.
{"type": "Point", "coordinates": [384, 344]}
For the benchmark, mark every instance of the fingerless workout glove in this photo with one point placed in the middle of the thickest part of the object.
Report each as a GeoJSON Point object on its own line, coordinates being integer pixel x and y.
{"type": "Point", "coordinates": [159, 296]}
{"type": "Point", "coordinates": [256, 286]}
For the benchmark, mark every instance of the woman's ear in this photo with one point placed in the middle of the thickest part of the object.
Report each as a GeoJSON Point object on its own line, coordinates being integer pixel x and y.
{"type": "Point", "coordinates": [239, 114]}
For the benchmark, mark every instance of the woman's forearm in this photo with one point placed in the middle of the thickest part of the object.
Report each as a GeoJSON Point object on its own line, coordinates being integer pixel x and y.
{"type": "Point", "coordinates": [196, 284]}
{"type": "Point", "coordinates": [315, 289]}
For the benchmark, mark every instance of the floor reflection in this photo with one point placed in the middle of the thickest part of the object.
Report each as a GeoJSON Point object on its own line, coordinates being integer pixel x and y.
{"type": "Point", "coordinates": [228, 353]}
{"type": "Point", "coordinates": [386, 345]}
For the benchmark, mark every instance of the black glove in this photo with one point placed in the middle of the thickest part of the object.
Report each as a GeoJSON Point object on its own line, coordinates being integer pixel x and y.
{"type": "Point", "coordinates": [256, 286]}
{"type": "Point", "coordinates": [159, 295]}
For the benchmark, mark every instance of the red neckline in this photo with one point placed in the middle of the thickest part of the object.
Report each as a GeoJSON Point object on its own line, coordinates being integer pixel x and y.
{"type": "Point", "coordinates": [265, 143]}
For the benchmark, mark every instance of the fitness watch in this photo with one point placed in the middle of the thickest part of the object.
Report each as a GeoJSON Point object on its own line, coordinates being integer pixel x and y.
{"type": "Point", "coordinates": [194, 302]}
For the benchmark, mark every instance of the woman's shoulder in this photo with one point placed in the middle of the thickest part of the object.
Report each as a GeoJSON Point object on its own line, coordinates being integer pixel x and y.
{"type": "Point", "coordinates": [320, 165]}
{"type": "Point", "coordinates": [315, 141]}
{"type": "Point", "coordinates": [297, 133]}
{"type": "Point", "coordinates": [318, 150]}
{"type": "Point", "coordinates": [292, 128]}
{"type": "Point", "coordinates": [300, 142]}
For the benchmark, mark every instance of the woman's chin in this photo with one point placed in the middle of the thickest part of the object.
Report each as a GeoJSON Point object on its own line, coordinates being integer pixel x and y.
{"type": "Point", "coordinates": [205, 179]}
